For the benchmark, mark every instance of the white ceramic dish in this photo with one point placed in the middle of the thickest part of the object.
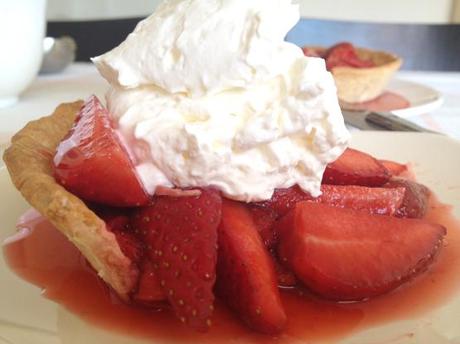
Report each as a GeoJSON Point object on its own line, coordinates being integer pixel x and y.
{"type": "Point", "coordinates": [4, 142]}
{"type": "Point", "coordinates": [28, 318]}
{"type": "Point", "coordinates": [422, 98]}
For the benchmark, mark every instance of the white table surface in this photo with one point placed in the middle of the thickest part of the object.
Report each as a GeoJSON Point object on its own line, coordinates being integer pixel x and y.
{"type": "Point", "coordinates": [81, 79]}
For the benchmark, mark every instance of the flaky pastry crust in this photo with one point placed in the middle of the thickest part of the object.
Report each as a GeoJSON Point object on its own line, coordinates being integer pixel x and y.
{"type": "Point", "coordinates": [29, 160]}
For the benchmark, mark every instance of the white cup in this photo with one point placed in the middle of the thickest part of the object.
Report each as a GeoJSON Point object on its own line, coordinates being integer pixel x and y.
{"type": "Point", "coordinates": [22, 29]}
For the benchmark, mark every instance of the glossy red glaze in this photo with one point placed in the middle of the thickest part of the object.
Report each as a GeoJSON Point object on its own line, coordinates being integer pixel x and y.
{"type": "Point", "coordinates": [387, 101]}
{"type": "Point", "coordinates": [42, 256]}
{"type": "Point", "coordinates": [92, 163]}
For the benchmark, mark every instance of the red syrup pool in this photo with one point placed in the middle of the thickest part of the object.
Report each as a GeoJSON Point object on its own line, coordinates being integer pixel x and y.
{"type": "Point", "coordinates": [387, 101]}
{"type": "Point", "coordinates": [41, 255]}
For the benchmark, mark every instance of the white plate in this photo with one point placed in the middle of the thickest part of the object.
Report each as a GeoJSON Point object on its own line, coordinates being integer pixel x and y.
{"type": "Point", "coordinates": [28, 318]}
{"type": "Point", "coordinates": [422, 98]}
{"type": "Point", "coordinates": [4, 142]}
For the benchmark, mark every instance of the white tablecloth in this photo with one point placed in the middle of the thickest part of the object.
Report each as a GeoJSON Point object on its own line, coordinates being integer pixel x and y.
{"type": "Point", "coordinates": [81, 79]}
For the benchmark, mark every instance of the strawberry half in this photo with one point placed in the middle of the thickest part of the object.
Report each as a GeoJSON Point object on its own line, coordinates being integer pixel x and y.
{"type": "Point", "coordinates": [393, 167]}
{"type": "Point", "coordinates": [246, 278]}
{"type": "Point", "coordinates": [383, 201]}
{"type": "Point", "coordinates": [149, 291]}
{"type": "Point", "coordinates": [356, 168]}
{"type": "Point", "coordinates": [343, 254]}
{"type": "Point", "coordinates": [416, 197]}
{"type": "Point", "coordinates": [284, 276]}
{"type": "Point", "coordinates": [264, 219]}
{"type": "Point", "coordinates": [91, 163]}
{"type": "Point", "coordinates": [181, 238]}
{"type": "Point", "coordinates": [376, 200]}
{"type": "Point", "coordinates": [344, 54]}
{"type": "Point", "coordinates": [129, 244]}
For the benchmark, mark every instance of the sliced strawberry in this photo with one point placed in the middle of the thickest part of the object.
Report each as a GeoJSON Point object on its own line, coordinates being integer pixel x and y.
{"type": "Point", "coordinates": [344, 54]}
{"type": "Point", "coordinates": [356, 62]}
{"type": "Point", "coordinates": [354, 167]}
{"type": "Point", "coordinates": [181, 238]}
{"type": "Point", "coordinates": [116, 222]}
{"type": "Point", "coordinates": [338, 54]}
{"type": "Point", "coordinates": [395, 168]}
{"type": "Point", "coordinates": [340, 50]}
{"type": "Point", "coordinates": [284, 200]}
{"type": "Point", "coordinates": [285, 277]}
{"type": "Point", "coordinates": [264, 219]}
{"type": "Point", "coordinates": [91, 162]}
{"type": "Point", "coordinates": [376, 200]}
{"type": "Point", "coordinates": [129, 244]}
{"type": "Point", "coordinates": [246, 278]}
{"type": "Point", "coordinates": [149, 291]}
{"type": "Point", "coordinates": [344, 254]}
{"type": "Point", "coordinates": [416, 197]}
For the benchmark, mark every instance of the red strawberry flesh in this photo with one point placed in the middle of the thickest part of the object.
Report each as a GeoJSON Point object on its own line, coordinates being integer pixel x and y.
{"type": "Point", "coordinates": [395, 168]}
{"type": "Point", "coordinates": [356, 168]}
{"type": "Point", "coordinates": [375, 200]}
{"type": "Point", "coordinates": [378, 200]}
{"type": "Point", "coordinates": [284, 275]}
{"type": "Point", "coordinates": [246, 277]}
{"type": "Point", "coordinates": [264, 219]}
{"type": "Point", "coordinates": [92, 164]}
{"type": "Point", "coordinates": [345, 55]}
{"type": "Point", "coordinates": [416, 196]}
{"type": "Point", "coordinates": [129, 243]}
{"type": "Point", "coordinates": [343, 254]}
{"type": "Point", "coordinates": [181, 238]}
{"type": "Point", "coordinates": [149, 291]}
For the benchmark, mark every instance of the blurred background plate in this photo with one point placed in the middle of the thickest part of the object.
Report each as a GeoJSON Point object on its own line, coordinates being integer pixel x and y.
{"type": "Point", "coordinates": [423, 99]}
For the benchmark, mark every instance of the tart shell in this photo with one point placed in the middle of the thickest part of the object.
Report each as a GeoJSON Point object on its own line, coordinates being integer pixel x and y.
{"type": "Point", "coordinates": [357, 85]}
{"type": "Point", "coordinates": [29, 160]}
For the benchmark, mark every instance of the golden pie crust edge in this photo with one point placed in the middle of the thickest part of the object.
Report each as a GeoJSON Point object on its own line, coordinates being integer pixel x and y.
{"type": "Point", "coordinates": [29, 160]}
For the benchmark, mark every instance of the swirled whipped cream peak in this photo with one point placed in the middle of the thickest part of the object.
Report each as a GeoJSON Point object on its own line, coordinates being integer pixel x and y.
{"type": "Point", "coordinates": [208, 93]}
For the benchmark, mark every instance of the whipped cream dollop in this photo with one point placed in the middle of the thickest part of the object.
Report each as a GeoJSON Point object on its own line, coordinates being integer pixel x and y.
{"type": "Point", "coordinates": [208, 93]}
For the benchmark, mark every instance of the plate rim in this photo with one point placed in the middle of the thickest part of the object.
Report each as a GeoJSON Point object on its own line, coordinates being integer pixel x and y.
{"type": "Point", "coordinates": [419, 109]}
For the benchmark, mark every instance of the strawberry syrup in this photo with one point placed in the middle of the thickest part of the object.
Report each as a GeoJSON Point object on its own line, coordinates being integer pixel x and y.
{"type": "Point", "coordinates": [41, 255]}
{"type": "Point", "coordinates": [387, 101]}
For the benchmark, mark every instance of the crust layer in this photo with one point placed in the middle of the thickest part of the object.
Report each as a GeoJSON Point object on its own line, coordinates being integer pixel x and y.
{"type": "Point", "coordinates": [29, 160]}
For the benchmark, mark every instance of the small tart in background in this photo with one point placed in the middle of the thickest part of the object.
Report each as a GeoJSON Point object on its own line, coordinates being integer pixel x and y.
{"type": "Point", "coordinates": [357, 84]}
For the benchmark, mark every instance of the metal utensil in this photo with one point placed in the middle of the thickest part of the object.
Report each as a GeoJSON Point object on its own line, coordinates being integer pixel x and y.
{"type": "Point", "coordinates": [58, 53]}
{"type": "Point", "coordinates": [357, 119]}
{"type": "Point", "coordinates": [371, 120]}
{"type": "Point", "coordinates": [392, 122]}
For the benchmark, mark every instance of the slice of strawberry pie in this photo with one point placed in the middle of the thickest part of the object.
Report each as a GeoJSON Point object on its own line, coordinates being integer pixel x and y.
{"type": "Point", "coordinates": [30, 163]}
{"type": "Point", "coordinates": [222, 176]}
{"type": "Point", "coordinates": [184, 248]}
